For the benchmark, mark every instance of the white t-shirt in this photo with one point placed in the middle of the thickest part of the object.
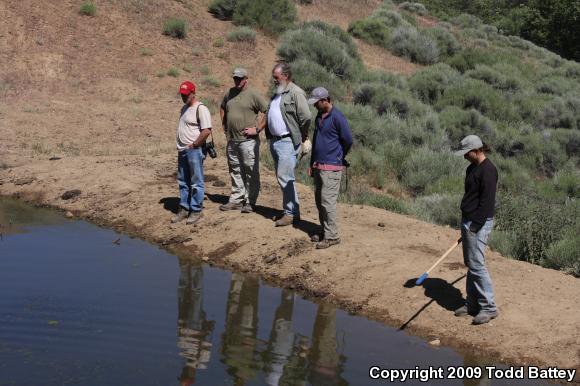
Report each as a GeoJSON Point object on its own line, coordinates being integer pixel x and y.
{"type": "Point", "coordinates": [189, 129]}
{"type": "Point", "coordinates": [276, 123]}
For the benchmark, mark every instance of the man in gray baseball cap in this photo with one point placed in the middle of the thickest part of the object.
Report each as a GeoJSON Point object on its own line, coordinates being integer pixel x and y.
{"type": "Point", "coordinates": [242, 113]}
{"type": "Point", "coordinates": [477, 210]}
{"type": "Point", "coordinates": [330, 144]}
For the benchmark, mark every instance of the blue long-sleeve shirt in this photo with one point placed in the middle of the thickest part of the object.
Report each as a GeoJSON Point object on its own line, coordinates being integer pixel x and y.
{"type": "Point", "coordinates": [332, 138]}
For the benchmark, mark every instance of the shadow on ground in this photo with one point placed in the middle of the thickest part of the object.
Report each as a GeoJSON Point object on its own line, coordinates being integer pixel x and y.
{"type": "Point", "coordinates": [441, 292]}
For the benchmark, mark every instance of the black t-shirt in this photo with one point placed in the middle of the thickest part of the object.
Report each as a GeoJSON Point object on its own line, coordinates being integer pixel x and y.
{"type": "Point", "coordinates": [478, 201]}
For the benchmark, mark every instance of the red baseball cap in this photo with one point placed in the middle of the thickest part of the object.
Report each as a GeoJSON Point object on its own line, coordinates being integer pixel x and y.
{"type": "Point", "coordinates": [187, 88]}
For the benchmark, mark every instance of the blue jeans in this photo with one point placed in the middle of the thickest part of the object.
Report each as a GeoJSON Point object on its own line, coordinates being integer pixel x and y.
{"type": "Point", "coordinates": [190, 179]}
{"type": "Point", "coordinates": [478, 286]}
{"type": "Point", "coordinates": [285, 156]}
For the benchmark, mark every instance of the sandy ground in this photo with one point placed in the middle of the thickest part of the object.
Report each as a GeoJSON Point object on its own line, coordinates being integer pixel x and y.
{"type": "Point", "coordinates": [108, 122]}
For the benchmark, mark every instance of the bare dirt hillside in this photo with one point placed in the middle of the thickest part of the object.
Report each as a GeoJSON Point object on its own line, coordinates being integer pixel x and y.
{"type": "Point", "coordinates": [89, 93]}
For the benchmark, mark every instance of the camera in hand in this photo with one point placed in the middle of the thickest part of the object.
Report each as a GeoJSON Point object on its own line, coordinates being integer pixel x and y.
{"type": "Point", "coordinates": [210, 149]}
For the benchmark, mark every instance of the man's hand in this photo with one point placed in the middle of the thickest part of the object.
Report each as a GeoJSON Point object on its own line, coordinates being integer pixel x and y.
{"type": "Point", "coordinates": [250, 131]}
{"type": "Point", "coordinates": [309, 171]}
{"type": "Point", "coordinates": [306, 147]}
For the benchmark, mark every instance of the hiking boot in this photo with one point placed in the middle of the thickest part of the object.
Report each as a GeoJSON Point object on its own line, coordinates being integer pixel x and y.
{"type": "Point", "coordinates": [194, 218]}
{"type": "Point", "coordinates": [247, 208]}
{"type": "Point", "coordinates": [327, 243]}
{"type": "Point", "coordinates": [484, 317]}
{"type": "Point", "coordinates": [284, 220]}
{"type": "Point", "coordinates": [181, 215]}
{"type": "Point", "coordinates": [231, 206]}
{"type": "Point", "coordinates": [315, 238]}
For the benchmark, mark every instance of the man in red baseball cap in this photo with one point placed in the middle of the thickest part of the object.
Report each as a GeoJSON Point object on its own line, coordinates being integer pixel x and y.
{"type": "Point", "coordinates": [192, 131]}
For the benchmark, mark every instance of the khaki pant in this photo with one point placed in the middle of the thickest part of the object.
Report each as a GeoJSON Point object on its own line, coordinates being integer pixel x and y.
{"type": "Point", "coordinates": [244, 167]}
{"type": "Point", "coordinates": [327, 185]}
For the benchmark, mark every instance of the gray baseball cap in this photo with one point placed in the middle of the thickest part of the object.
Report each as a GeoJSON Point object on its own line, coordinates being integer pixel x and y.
{"type": "Point", "coordinates": [240, 73]}
{"type": "Point", "coordinates": [317, 94]}
{"type": "Point", "coordinates": [471, 142]}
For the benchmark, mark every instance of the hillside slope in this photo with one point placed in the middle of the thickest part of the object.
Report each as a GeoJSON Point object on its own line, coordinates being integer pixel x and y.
{"type": "Point", "coordinates": [81, 89]}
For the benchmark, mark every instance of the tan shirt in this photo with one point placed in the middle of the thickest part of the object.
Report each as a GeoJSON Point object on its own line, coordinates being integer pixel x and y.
{"type": "Point", "coordinates": [241, 109]}
{"type": "Point", "coordinates": [188, 128]}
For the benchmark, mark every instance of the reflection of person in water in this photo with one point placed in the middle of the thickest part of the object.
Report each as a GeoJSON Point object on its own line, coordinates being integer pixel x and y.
{"type": "Point", "coordinates": [325, 362]}
{"type": "Point", "coordinates": [240, 336]}
{"type": "Point", "coordinates": [193, 330]}
{"type": "Point", "coordinates": [281, 342]}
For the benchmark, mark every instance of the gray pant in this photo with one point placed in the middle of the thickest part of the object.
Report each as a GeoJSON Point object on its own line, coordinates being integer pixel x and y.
{"type": "Point", "coordinates": [244, 167]}
{"type": "Point", "coordinates": [327, 185]}
{"type": "Point", "coordinates": [478, 285]}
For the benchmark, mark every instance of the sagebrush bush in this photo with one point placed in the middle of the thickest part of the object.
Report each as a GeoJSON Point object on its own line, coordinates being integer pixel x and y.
{"type": "Point", "coordinates": [175, 28]}
{"type": "Point", "coordinates": [536, 225]}
{"type": "Point", "coordinates": [309, 75]}
{"type": "Point", "coordinates": [476, 94]}
{"type": "Point", "coordinates": [466, 21]}
{"type": "Point", "coordinates": [564, 254]}
{"type": "Point", "coordinates": [468, 58]}
{"type": "Point", "coordinates": [424, 167]}
{"type": "Point", "coordinates": [409, 43]}
{"type": "Point", "coordinates": [386, 99]}
{"type": "Point", "coordinates": [317, 46]}
{"type": "Point", "coordinates": [88, 8]}
{"type": "Point", "coordinates": [446, 42]}
{"type": "Point", "coordinates": [555, 86]}
{"type": "Point", "coordinates": [555, 114]}
{"type": "Point", "coordinates": [242, 34]}
{"type": "Point", "coordinates": [494, 78]}
{"type": "Point", "coordinates": [417, 8]}
{"type": "Point", "coordinates": [430, 83]}
{"type": "Point", "coordinates": [439, 208]}
{"type": "Point", "coordinates": [223, 9]}
{"type": "Point", "coordinates": [458, 123]}
{"type": "Point", "coordinates": [371, 30]}
{"type": "Point", "coordinates": [273, 16]}
{"type": "Point", "coordinates": [385, 78]}
{"type": "Point", "coordinates": [333, 32]}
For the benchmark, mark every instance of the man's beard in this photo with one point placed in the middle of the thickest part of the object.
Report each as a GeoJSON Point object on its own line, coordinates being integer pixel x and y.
{"type": "Point", "coordinates": [280, 88]}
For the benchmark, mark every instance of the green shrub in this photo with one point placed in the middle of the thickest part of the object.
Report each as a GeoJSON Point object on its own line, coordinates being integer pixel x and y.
{"type": "Point", "coordinates": [466, 21]}
{"type": "Point", "coordinates": [383, 201]}
{"type": "Point", "coordinates": [439, 208]}
{"type": "Point", "coordinates": [385, 78]}
{"type": "Point", "coordinates": [565, 255]}
{"type": "Point", "coordinates": [317, 46]}
{"type": "Point", "coordinates": [274, 16]}
{"type": "Point", "coordinates": [468, 58]}
{"type": "Point", "coordinates": [418, 48]}
{"type": "Point", "coordinates": [219, 42]}
{"type": "Point", "coordinates": [555, 114]}
{"type": "Point", "coordinates": [335, 32]}
{"type": "Point", "coordinates": [309, 75]}
{"type": "Point", "coordinates": [175, 28]}
{"type": "Point", "coordinates": [458, 123]}
{"type": "Point", "coordinates": [475, 94]}
{"type": "Point", "coordinates": [371, 30]}
{"type": "Point", "coordinates": [242, 34]}
{"type": "Point", "coordinates": [389, 18]}
{"type": "Point", "coordinates": [367, 129]}
{"type": "Point", "coordinates": [446, 42]}
{"type": "Point", "coordinates": [430, 83]}
{"type": "Point", "coordinates": [223, 9]}
{"type": "Point", "coordinates": [211, 81]}
{"type": "Point", "coordinates": [424, 167]}
{"type": "Point", "coordinates": [555, 86]}
{"type": "Point", "coordinates": [174, 72]}
{"type": "Point", "coordinates": [494, 78]}
{"type": "Point", "coordinates": [568, 182]}
{"type": "Point", "coordinates": [536, 225]}
{"type": "Point", "coordinates": [417, 8]}
{"type": "Point", "coordinates": [88, 8]}
{"type": "Point", "coordinates": [453, 185]}
{"type": "Point", "coordinates": [388, 100]}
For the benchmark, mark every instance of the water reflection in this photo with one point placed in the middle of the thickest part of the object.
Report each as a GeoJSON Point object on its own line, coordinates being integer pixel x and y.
{"type": "Point", "coordinates": [193, 329]}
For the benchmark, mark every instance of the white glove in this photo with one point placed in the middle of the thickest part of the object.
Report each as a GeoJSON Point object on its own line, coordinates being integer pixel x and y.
{"type": "Point", "coordinates": [306, 147]}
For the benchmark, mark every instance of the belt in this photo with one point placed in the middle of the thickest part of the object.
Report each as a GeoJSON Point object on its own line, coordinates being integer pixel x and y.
{"type": "Point", "coordinates": [277, 138]}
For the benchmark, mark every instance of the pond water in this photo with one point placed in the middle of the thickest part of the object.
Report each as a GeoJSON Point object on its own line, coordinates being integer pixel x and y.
{"type": "Point", "coordinates": [83, 305]}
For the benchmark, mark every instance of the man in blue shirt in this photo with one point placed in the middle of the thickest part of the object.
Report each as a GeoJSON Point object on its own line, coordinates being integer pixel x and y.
{"type": "Point", "coordinates": [331, 142]}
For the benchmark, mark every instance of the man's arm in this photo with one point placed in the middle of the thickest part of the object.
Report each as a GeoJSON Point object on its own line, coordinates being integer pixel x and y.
{"type": "Point", "coordinates": [345, 135]}
{"type": "Point", "coordinates": [223, 118]}
{"type": "Point", "coordinates": [304, 115]}
{"type": "Point", "coordinates": [201, 139]}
